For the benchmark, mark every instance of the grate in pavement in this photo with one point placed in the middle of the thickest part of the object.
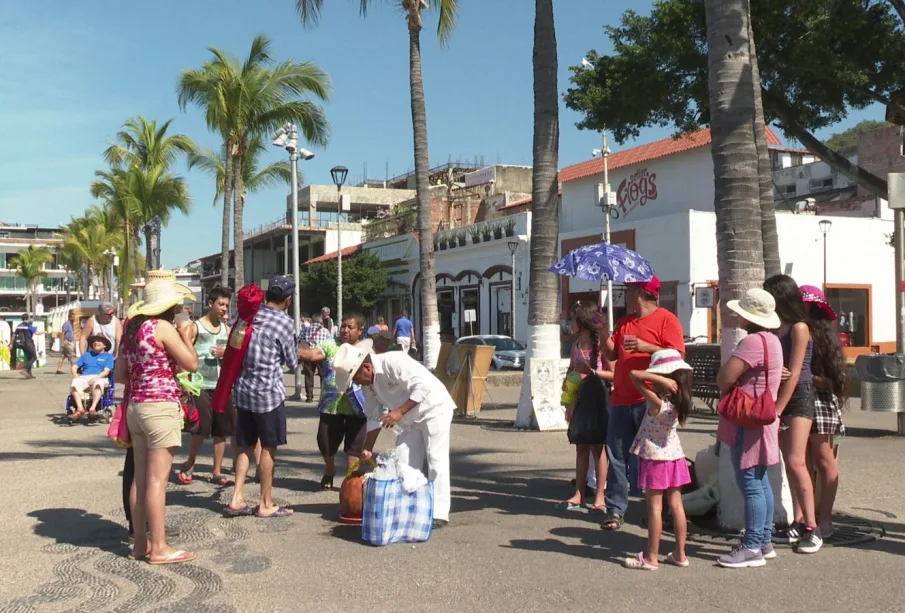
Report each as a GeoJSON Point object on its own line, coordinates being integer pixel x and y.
{"type": "Point", "coordinates": [849, 530]}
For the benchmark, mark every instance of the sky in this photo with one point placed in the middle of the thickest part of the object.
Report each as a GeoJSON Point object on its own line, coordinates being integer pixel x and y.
{"type": "Point", "coordinates": [72, 72]}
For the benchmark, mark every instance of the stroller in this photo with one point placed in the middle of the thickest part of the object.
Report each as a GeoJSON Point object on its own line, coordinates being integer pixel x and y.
{"type": "Point", "coordinates": [104, 408]}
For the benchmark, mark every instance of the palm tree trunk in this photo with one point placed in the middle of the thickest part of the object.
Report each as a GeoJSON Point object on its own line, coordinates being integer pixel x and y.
{"type": "Point", "coordinates": [430, 326]}
{"type": "Point", "coordinates": [737, 200]}
{"type": "Point", "coordinates": [543, 311]}
{"type": "Point", "coordinates": [238, 222]}
{"type": "Point", "coordinates": [149, 246]}
{"type": "Point", "coordinates": [227, 209]}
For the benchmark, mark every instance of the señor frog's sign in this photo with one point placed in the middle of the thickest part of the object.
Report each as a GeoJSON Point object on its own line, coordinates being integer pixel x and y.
{"type": "Point", "coordinates": [636, 190]}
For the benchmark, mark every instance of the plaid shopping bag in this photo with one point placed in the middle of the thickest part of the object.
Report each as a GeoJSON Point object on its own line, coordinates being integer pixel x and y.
{"type": "Point", "coordinates": [390, 515]}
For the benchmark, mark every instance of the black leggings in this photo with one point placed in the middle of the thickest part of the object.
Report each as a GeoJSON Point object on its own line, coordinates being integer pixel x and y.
{"type": "Point", "coordinates": [128, 478]}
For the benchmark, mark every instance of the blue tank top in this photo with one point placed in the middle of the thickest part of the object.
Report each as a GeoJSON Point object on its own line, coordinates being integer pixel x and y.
{"type": "Point", "coordinates": [806, 375]}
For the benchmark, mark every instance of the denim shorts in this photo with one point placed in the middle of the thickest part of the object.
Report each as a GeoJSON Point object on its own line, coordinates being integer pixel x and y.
{"type": "Point", "coordinates": [802, 403]}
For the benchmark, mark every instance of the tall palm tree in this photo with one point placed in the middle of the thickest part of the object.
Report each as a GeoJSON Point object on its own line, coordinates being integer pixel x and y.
{"type": "Point", "coordinates": [309, 11]}
{"type": "Point", "coordinates": [114, 188]}
{"type": "Point", "coordinates": [85, 241]}
{"type": "Point", "coordinates": [29, 265]}
{"type": "Point", "coordinates": [543, 310]}
{"type": "Point", "coordinates": [143, 145]}
{"type": "Point", "coordinates": [245, 99]}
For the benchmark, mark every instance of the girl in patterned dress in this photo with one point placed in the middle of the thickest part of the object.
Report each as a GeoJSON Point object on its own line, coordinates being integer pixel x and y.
{"type": "Point", "coordinates": [666, 386]}
{"type": "Point", "coordinates": [829, 368]}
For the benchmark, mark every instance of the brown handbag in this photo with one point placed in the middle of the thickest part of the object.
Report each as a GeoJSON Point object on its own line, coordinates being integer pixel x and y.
{"type": "Point", "coordinates": [746, 411]}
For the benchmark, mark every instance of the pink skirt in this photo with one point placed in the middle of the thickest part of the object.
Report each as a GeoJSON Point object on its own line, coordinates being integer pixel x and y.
{"type": "Point", "coordinates": [663, 474]}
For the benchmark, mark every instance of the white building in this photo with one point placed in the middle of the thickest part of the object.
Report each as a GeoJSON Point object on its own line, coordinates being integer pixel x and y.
{"type": "Point", "coordinates": [55, 288]}
{"type": "Point", "coordinates": [665, 201]}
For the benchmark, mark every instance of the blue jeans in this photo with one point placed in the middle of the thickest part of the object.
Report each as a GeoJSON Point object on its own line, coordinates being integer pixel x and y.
{"type": "Point", "coordinates": [622, 427]}
{"type": "Point", "coordinates": [755, 486]}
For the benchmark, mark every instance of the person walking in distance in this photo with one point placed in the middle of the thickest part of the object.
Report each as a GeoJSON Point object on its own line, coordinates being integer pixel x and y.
{"type": "Point", "coordinates": [313, 335]}
{"type": "Point", "coordinates": [260, 396]}
{"type": "Point", "coordinates": [67, 342]}
{"type": "Point", "coordinates": [24, 339]}
{"type": "Point", "coordinates": [646, 329]}
{"type": "Point", "coordinates": [209, 335]}
{"type": "Point", "coordinates": [404, 333]}
{"type": "Point", "coordinates": [104, 323]}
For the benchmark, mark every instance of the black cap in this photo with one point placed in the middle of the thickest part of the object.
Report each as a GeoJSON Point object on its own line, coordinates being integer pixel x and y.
{"type": "Point", "coordinates": [281, 287]}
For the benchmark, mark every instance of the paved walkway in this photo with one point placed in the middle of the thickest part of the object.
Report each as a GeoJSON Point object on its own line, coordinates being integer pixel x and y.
{"type": "Point", "coordinates": [507, 548]}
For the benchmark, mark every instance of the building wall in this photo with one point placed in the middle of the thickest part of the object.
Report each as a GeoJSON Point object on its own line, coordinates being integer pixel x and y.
{"type": "Point", "coordinates": [880, 151]}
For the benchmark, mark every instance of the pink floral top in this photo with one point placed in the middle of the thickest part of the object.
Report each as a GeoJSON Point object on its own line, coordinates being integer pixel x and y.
{"type": "Point", "coordinates": [657, 438]}
{"type": "Point", "coordinates": [152, 371]}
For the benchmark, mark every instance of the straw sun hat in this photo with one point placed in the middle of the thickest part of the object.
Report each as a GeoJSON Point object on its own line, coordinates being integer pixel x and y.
{"type": "Point", "coordinates": [757, 306]}
{"type": "Point", "coordinates": [161, 293]}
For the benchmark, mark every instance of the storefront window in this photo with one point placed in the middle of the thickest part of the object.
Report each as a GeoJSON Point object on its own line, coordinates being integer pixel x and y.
{"type": "Point", "coordinates": [669, 296]}
{"type": "Point", "coordinates": [446, 307]}
{"type": "Point", "coordinates": [852, 305]}
{"type": "Point", "coordinates": [471, 300]}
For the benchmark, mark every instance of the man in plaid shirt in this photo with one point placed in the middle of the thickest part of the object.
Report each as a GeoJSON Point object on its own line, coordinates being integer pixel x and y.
{"type": "Point", "coordinates": [313, 334]}
{"type": "Point", "coordinates": [260, 395]}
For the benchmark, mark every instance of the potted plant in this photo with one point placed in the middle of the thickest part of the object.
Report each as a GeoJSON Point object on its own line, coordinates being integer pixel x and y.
{"type": "Point", "coordinates": [510, 226]}
{"type": "Point", "coordinates": [436, 242]}
{"type": "Point", "coordinates": [475, 232]}
{"type": "Point", "coordinates": [497, 231]}
{"type": "Point", "coordinates": [486, 232]}
{"type": "Point", "coordinates": [443, 240]}
{"type": "Point", "coordinates": [461, 237]}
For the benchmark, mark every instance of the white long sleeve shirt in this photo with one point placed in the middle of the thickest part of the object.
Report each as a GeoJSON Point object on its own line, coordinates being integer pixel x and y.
{"type": "Point", "coordinates": [397, 379]}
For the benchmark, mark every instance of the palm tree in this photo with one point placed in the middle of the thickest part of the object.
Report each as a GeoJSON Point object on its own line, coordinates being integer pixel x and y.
{"type": "Point", "coordinates": [115, 189]}
{"type": "Point", "coordinates": [243, 100]}
{"type": "Point", "coordinates": [85, 241]}
{"type": "Point", "coordinates": [309, 11]}
{"type": "Point", "coordinates": [30, 266]}
{"type": "Point", "coordinates": [543, 311]}
{"type": "Point", "coordinates": [144, 145]}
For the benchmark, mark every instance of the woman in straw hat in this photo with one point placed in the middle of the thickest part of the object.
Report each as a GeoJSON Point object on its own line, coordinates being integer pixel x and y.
{"type": "Point", "coordinates": [756, 362]}
{"type": "Point", "coordinates": [151, 352]}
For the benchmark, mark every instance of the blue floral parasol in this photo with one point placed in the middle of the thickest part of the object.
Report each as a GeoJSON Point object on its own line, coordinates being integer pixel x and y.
{"type": "Point", "coordinates": [602, 262]}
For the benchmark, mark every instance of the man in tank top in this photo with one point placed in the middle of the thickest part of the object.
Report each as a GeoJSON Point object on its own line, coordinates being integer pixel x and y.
{"type": "Point", "coordinates": [209, 335]}
{"type": "Point", "coordinates": [105, 323]}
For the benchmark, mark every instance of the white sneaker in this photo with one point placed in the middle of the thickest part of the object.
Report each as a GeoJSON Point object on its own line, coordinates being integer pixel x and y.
{"type": "Point", "coordinates": [810, 542]}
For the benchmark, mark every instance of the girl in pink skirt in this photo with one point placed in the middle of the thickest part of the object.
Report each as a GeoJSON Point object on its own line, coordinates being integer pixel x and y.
{"type": "Point", "coordinates": [666, 385]}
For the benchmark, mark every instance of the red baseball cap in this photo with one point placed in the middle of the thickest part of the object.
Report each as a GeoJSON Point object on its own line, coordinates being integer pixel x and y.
{"type": "Point", "coordinates": [652, 286]}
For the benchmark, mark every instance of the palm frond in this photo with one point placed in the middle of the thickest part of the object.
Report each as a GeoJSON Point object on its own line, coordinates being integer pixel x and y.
{"type": "Point", "coordinates": [449, 15]}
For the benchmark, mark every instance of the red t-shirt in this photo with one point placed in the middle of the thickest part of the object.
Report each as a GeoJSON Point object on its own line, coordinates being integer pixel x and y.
{"type": "Point", "coordinates": [660, 328]}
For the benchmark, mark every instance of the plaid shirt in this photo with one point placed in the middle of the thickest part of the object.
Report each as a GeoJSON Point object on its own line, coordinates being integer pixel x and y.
{"type": "Point", "coordinates": [260, 387]}
{"type": "Point", "coordinates": [314, 335]}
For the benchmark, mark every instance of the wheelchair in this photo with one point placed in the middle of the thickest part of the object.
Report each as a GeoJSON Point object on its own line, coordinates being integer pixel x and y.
{"type": "Point", "coordinates": [105, 407]}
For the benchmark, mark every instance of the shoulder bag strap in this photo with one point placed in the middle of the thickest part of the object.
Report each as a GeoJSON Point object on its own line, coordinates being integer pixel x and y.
{"type": "Point", "coordinates": [763, 340]}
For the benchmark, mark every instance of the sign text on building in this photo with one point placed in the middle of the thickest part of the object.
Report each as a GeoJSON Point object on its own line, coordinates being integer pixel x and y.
{"type": "Point", "coordinates": [636, 190]}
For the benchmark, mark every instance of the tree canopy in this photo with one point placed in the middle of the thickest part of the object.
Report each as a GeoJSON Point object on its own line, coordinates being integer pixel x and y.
{"type": "Point", "coordinates": [846, 142]}
{"type": "Point", "coordinates": [364, 282]}
{"type": "Point", "coordinates": [818, 60]}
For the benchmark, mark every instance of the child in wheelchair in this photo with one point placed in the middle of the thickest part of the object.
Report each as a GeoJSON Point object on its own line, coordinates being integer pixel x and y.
{"type": "Point", "coordinates": [90, 380]}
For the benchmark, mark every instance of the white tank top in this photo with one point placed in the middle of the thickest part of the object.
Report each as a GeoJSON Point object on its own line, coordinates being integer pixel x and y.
{"type": "Point", "coordinates": [108, 331]}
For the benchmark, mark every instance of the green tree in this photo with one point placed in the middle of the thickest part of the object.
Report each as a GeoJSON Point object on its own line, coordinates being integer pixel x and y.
{"type": "Point", "coordinates": [85, 240]}
{"type": "Point", "coordinates": [818, 59]}
{"type": "Point", "coordinates": [846, 142]}
{"type": "Point", "coordinates": [364, 282]}
{"type": "Point", "coordinates": [309, 11]}
{"type": "Point", "coordinates": [29, 264]}
{"type": "Point", "coordinates": [245, 99]}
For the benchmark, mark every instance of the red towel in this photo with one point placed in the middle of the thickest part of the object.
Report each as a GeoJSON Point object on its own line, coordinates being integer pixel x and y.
{"type": "Point", "coordinates": [250, 298]}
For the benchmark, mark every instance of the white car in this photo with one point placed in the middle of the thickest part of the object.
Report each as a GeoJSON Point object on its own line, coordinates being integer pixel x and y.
{"type": "Point", "coordinates": [508, 354]}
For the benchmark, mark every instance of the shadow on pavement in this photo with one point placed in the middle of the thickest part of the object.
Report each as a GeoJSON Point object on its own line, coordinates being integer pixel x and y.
{"type": "Point", "coordinates": [49, 449]}
{"type": "Point", "coordinates": [80, 528]}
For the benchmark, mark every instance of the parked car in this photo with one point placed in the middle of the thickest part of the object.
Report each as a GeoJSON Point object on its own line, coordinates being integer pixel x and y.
{"type": "Point", "coordinates": [508, 353]}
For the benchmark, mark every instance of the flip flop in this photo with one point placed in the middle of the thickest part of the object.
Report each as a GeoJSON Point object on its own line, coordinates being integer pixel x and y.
{"type": "Point", "coordinates": [637, 562]}
{"type": "Point", "coordinates": [327, 482]}
{"type": "Point", "coordinates": [671, 558]}
{"type": "Point", "coordinates": [184, 478]}
{"type": "Point", "coordinates": [569, 506]}
{"type": "Point", "coordinates": [596, 509]}
{"type": "Point", "coordinates": [280, 512]}
{"type": "Point", "coordinates": [222, 481]}
{"type": "Point", "coordinates": [246, 512]}
{"type": "Point", "coordinates": [177, 557]}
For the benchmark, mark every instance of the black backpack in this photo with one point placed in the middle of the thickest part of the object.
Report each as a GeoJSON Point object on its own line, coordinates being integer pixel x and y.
{"type": "Point", "coordinates": [21, 338]}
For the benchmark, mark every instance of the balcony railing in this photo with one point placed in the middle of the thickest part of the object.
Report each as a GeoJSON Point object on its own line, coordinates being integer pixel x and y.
{"type": "Point", "coordinates": [402, 222]}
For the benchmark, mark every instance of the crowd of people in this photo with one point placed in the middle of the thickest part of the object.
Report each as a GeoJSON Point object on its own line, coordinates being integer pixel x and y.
{"type": "Point", "coordinates": [792, 352]}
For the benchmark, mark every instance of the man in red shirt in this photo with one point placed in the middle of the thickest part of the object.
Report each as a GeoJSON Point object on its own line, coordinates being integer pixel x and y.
{"type": "Point", "coordinates": [646, 329]}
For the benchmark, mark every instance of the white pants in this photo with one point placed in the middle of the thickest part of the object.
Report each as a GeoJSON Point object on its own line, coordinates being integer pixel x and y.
{"type": "Point", "coordinates": [429, 440]}
{"type": "Point", "coordinates": [405, 342]}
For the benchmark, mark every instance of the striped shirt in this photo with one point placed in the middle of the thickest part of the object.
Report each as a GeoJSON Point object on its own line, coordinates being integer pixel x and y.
{"type": "Point", "coordinates": [260, 387]}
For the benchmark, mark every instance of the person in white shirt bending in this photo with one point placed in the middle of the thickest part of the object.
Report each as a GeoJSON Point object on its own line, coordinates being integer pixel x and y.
{"type": "Point", "coordinates": [421, 410]}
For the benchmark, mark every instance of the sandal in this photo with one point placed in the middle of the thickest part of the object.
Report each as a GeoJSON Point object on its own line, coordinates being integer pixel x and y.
{"type": "Point", "coordinates": [567, 505]}
{"type": "Point", "coordinates": [327, 482]}
{"type": "Point", "coordinates": [637, 562]}
{"type": "Point", "coordinates": [613, 522]}
{"type": "Point", "coordinates": [177, 557]}
{"type": "Point", "coordinates": [280, 512]}
{"type": "Point", "coordinates": [671, 558]}
{"type": "Point", "coordinates": [222, 481]}
{"type": "Point", "coordinates": [185, 478]}
{"type": "Point", "coordinates": [596, 509]}
{"type": "Point", "coordinates": [246, 512]}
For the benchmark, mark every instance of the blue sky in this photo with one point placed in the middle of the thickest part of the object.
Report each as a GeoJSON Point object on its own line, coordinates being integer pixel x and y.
{"type": "Point", "coordinates": [72, 72]}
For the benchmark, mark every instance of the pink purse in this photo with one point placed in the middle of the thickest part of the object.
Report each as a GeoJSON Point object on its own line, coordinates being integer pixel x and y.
{"type": "Point", "coordinates": [118, 431]}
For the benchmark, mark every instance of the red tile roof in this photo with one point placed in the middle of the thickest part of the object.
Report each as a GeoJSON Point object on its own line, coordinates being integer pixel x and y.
{"type": "Point", "coordinates": [644, 153]}
{"type": "Point", "coordinates": [347, 251]}
{"type": "Point", "coordinates": [512, 205]}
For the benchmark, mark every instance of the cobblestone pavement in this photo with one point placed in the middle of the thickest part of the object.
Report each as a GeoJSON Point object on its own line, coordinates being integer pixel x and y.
{"type": "Point", "coordinates": [63, 534]}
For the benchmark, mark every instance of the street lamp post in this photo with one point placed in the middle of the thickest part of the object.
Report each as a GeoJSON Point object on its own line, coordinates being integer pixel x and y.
{"type": "Point", "coordinates": [288, 138]}
{"type": "Point", "coordinates": [339, 178]}
{"type": "Point", "coordinates": [112, 254]}
{"type": "Point", "coordinates": [825, 225]}
{"type": "Point", "coordinates": [513, 247]}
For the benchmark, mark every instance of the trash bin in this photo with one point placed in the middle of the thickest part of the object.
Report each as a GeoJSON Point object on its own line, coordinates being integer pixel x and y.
{"type": "Point", "coordinates": [883, 384]}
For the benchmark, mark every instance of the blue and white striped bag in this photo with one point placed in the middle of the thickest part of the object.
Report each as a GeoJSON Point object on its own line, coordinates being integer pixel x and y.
{"type": "Point", "coordinates": [391, 515]}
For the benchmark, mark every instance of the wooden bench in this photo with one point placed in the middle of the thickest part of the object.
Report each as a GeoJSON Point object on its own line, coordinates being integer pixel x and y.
{"type": "Point", "coordinates": [705, 359]}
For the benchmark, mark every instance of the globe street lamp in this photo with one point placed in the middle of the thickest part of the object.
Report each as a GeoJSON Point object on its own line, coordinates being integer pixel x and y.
{"type": "Point", "coordinates": [339, 174]}
{"type": "Point", "coordinates": [825, 225]}
{"type": "Point", "coordinates": [513, 247]}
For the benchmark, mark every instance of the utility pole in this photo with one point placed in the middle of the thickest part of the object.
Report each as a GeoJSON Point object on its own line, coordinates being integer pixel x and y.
{"type": "Point", "coordinates": [606, 201]}
{"type": "Point", "coordinates": [897, 203]}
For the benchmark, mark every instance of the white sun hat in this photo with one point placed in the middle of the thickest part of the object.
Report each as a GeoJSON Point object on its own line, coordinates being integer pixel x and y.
{"type": "Point", "coordinates": [348, 360]}
{"type": "Point", "coordinates": [757, 306]}
{"type": "Point", "coordinates": [161, 293]}
{"type": "Point", "coordinates": [667, 361]}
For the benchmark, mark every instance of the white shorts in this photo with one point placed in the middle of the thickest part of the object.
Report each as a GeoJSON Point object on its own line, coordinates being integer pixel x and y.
{"type": "Point", "coordinates": [405, 343]}
{"type": "Point", "coordinates": [80, 384]}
